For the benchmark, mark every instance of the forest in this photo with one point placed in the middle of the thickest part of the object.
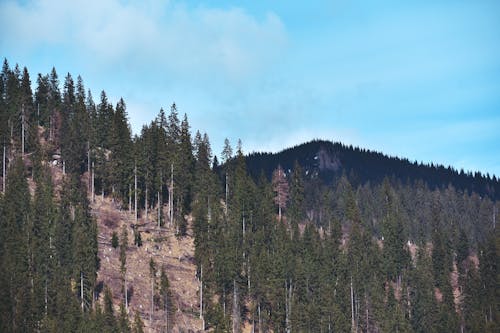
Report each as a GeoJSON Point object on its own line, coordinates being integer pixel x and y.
{"type": "Point", "coordinates": [318, 238]}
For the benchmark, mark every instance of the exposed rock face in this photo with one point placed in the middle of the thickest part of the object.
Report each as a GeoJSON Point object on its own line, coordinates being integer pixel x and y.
{"type": "Point", "coordinates": [327, 161]}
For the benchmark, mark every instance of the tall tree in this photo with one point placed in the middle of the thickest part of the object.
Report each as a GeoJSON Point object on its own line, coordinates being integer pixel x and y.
{"type": "Point", "coordinates": [280, 187]}
{"type": "Point", "coordinates": [296, 212]}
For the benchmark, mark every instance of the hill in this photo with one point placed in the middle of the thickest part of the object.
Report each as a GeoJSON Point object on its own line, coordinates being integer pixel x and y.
{"type": "Point", "coordinates": [330, 160]}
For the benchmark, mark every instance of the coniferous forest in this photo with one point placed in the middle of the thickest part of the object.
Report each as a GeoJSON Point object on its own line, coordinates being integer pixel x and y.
{"type": "Point", "coordinates": [318, 238]}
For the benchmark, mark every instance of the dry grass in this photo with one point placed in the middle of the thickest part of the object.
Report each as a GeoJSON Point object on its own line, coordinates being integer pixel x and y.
{"type": "Point", "coordinates": [175, 255]}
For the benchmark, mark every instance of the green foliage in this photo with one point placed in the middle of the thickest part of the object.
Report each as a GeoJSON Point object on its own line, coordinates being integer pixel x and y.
{"type": "Point", "coordinates": [296, 212]}
{"type": "Point", "coordinates": [138, 324]}
{"type": "Point", "coordinates": [114, 240]}
{"type": "Point", "coordinates": [295, 273]}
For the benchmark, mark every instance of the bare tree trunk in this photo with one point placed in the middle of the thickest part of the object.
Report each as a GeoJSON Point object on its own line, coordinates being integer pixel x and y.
{"type": "Point", "coordinates": [209, 211]}
{"type": "Point", "coordinates": [248, 274]}
{"type": "Point", "coordinates": [171, 194]}
{"type": "Point", "coordinates": [146, 203]}
{"type": "Point", "coordinates": [224, 301]}
{"type": "Point", "coordinates": [166, 311]}
{"type": "Point", "coordinates": [93, 183]}
{"type": "Point", "coordinates": [135, 192]}
{"type": "Point", "coordinates": [236, 311]}
{"type": "Point", "coordinates": [227, 192]}
{"type": "Point", "coordinates": [129, 199]}
{"type": "Point", "coordinates": [367, 313]}
{"type": "Point", "coordinates": [353, 329]}
{"type": "Point", "coordinates": [159, 209]}
{"type": "Point", "coordinates": [260, 319]}
{"type": "Point", "coordinates": [46, 298]}
{"type": "Point", "coordinates": [50, 128]}
{"type": "Point", "coordinates": [88, 164]}
{"type": "Point", "coordinates": [81, 288]}
{"type": "Point", "coordinates": [494, 217]}
{"type": "Point", "coordinates": [22, 130]}
{"type": "Point", "coordinates": [201, 299]}
{"type": "Point", "coordinates": [287, 310]}
{"type": "Point", "coordinates": [152, 302]}
{"type": "Point", "coordinates": [126, 291]}
{"type": "Point", "coordinates": [290, 307]}
{"type": "Point", "coordinates": [4, 169]}
{"type": "Point", "coordinates": [243, 228]}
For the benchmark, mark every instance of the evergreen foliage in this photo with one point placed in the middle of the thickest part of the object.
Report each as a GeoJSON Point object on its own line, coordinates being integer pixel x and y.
{"type": "Point", "coordinates": [356, 248]}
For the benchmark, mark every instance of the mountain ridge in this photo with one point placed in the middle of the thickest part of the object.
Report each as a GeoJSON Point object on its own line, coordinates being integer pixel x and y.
{"type": "Point", "coordinates": [330, 160]}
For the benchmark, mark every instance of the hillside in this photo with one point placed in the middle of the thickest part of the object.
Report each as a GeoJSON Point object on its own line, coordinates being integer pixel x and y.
{"type": "Point", "coordinates": [330, 160]}
{"type": "Point", "coordinates": [160, 244]}
{"type": "Point", "coordinates": [344, 240]}
{"type": "Point", "coordinates": [173, 253]}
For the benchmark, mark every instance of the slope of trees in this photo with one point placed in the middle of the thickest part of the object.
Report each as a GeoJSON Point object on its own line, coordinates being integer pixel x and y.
{"type": "Point", "coordinates": [326, 245]}
{"type": "Point", "coordinates": [330, 160]}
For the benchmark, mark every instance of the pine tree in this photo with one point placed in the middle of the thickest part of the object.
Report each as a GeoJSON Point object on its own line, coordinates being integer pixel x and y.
{"type": "Point", "coordinates": [296, 212]}
{"type": "Point", "coordinates": [166, 301]}
{"type": "Point", "coordinates": [123, 262]}
{"type": "Point", "coordinates": [15, 284]}
{"type": "Point", "coordinates": [423, 310]}
{"type": "Point", "coordinates": [396, 255]}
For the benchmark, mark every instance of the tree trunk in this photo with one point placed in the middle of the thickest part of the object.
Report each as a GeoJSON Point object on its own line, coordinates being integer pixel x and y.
{"type": "Point", "coordinates": [227, 192]}
{"type": "Point", "coordinates": [260, 319]}
{"type": "Point", "coordinates": [201, 299]}
{"type": "Point", "coordinates": [81, 288]}
{"type": "Point", "coordinates": [126, 291]}
{"type": "Point", "coordinates": [152, 302]}
{"type": "Point", "coordinates": [146, 204]}
{"type": "Point", "coordinates": [135, 192]}
{"type": "Point", "coordinates": [353, 329]}
{"type": "Point", "coordinates": [159, 209]}
{"type": "Point", "coordinates": [88, 163]}
{"type": "Point", "coordinates": [4, 169]}
{"type": "Point", "coordinates": [22, 130]}
{"type": "Point", "coordinates": [236, 312]}
{"type": "Point", "coordinates": [171, 194]}
{"type": "Point", "coordinates": [93, 183]}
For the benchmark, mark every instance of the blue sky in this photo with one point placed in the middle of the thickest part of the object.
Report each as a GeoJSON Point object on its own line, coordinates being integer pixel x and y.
{"type": "Point", "coordinates": [416, 79]}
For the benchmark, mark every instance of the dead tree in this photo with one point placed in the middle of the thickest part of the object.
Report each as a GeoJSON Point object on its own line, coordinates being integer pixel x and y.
{"type": "Point", "coordinates": [201, 299]}
{"type": "Point", "coordinates": [93, 182]}
{"type": "Point", "coordinates": [159, 209]}
{"type": "Point", "coordinates": [22, 129]}
{"type": "Point", "coordinates": [135, 192]}
{"type": "Point", "coordinates": [4, 169]}
{"type": "Point", "coordinates": [236, 310]}
{"type": "Point", "coordinates": [171, 195]}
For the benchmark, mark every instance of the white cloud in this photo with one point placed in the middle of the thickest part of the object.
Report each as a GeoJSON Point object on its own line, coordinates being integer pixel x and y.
{"type": "Point", "coordinates": [152, 35]}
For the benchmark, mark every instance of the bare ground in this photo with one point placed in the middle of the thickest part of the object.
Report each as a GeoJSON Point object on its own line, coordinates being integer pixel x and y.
{"type": "Point", "coordinates": [175, 254]}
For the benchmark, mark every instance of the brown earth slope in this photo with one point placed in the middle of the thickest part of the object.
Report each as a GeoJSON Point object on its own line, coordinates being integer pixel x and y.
{"type": "Point", "coordinates": [175, 254]}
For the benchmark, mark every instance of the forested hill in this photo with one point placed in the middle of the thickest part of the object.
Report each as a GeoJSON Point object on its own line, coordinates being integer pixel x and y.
{"type": "Point", "coordinates": [330, 160]}
{"type": "Point", "coordinates": [99, 228]}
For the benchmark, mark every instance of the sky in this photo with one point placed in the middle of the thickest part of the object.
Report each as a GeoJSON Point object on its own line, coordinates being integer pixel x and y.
{"type": "Point", "coordinates": [414, 79]}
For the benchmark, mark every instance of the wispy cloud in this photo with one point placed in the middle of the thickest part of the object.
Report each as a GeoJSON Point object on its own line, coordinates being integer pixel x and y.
{"type": "Point", "coordinates": [393, 76]}
{"type": "Point", "coordinates": [151, 35]}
